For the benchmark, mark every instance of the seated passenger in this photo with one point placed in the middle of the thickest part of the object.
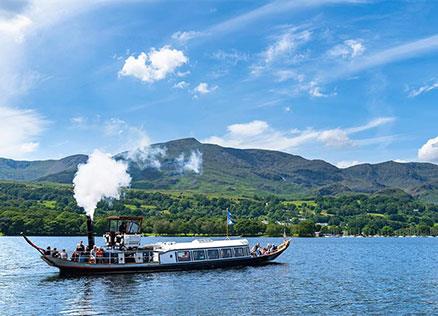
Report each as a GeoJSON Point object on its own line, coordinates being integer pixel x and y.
{"type": "Point", "coordinates": [92, 259]}
{"type": "Point", "coordinates": [55, 253]}
{"type": "Point", "coordinates": [99, 255]}
{"type": "Point", "coordinates": [80, 247]}
{"type": "Point", "coordinates": [75, 256]}
{"type": "Point", "coordinates": [274, 248]}
{"type": "Point", "coordinates": [93, 251]}
{"type": "Point", "coordinates": [63, 254]}
{"type": "Point", "coordinates": [48, 251]}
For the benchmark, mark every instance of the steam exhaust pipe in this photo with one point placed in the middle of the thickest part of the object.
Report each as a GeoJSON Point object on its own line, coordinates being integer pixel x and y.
{"type": "Point", "coordinates": [90, 233]}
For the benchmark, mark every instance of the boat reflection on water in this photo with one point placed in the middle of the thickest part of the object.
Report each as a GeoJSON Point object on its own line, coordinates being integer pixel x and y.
{"type": "Point", "coordinates": [124, 253]}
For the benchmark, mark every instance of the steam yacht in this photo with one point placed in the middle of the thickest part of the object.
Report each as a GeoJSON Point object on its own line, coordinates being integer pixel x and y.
{"type": "Point", "coordinates": [123, 252]}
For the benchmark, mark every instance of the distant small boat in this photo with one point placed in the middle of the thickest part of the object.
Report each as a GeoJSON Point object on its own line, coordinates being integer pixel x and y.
{"type": "Point", "coordinates": [123, 252]}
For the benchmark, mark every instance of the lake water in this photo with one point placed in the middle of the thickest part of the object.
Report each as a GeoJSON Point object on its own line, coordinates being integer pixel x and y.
{"type": "Point", "coordinates": [315, 276]}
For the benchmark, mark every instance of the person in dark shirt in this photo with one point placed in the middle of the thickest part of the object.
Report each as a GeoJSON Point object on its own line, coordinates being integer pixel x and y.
{"type": "Point", "coordinates": [122, 228]}
{"type": "Point", "coordinates": [80, 247]}
{"type": "Point", "coordinates": [55, 253]}
{"type": "Point", "coordinates": [48, 251]}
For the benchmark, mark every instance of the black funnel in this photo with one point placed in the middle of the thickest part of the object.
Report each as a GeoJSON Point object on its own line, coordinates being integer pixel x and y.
{"type": "Point", "coordinates": [90, 232]}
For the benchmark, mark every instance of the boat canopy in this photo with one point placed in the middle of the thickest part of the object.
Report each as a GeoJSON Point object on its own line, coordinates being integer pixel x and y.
{"type": "Point", "coordinates": [204, 244]}
{"type": "Point", "coordinates": [125, 224]}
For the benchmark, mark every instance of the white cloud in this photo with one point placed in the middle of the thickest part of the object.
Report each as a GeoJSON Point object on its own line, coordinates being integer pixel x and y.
{"type": "Point", "coordinates": [258, 134]}
{"type": "Point", "coordinates": [349, 49]}
{"type": "Point", "coordinates": [204, 88]}
{"type": "Point", "coordinates": [285, 44]}
{"type": "Point", "coordinates": [429, 151]}
{"type": "Point", "coordinates": [312, 88]}
{"type": "Point", "coordinates": [232, 57]}
{"type": "Point", "coordinates": [184, 37]}
{"type": "Point", "coordinates": [423, 89]}
{"type": "Point", "coordinates": [155, 65]}
{"type": "Point", "coordinates": [272, 8]}
{"type": "Point", "coordinates": [248, 129]}
{"type": "Point", "coordinates": [181, 85]}
{"type": "Point", "coordinates": [15, 27]}
{"type": "Point", "coordinates": [385, 56]}
{"type": "Point", "coordinates": [19, 131]}
{"type": "Point", "coordinates": [78, 121]}
{"type": "Point", "coordinates": [347, 163]}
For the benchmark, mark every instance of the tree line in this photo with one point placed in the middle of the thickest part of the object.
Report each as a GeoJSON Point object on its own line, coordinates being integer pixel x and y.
{"type": "Point", "coordinates": [49, 209]}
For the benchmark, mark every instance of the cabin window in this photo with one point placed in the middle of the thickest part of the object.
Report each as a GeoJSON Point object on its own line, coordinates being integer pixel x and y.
{"type": "Point", "coordinates": [198, 254]}
{"type": "Point", "coordinates": [213, 254]}
{"type": "Point", "coordinates": [226, 253]}
{"type": "Point", "coordinates": [133, 227]}
{"type": "Point", "coordinates": [238, 252]}
{"type": "Point", "coordinates": [183, 255]}
{"type": "Point", "coordinates": [246, 251]}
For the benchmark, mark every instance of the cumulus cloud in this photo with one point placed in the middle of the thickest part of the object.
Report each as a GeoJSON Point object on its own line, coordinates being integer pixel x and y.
{"type": "Point", "coordinates": [155, 65]}
{"type": "Point", "coordinates": [423, 89]}
{"type": "Point", "coordinates": [259, 134]}
{"type": "Point", "coordinates": [193, 163]}
{"type": "Point", "coordinates": [349, 49]}
{"type": "Point", "coordinates": [429, 151]}
{"type": "Point", "coordinates": [19, 131]}
{"type": "Point", "coordinates": [204, 88]}
{"type": "Point", "coordinates": [183, 37]}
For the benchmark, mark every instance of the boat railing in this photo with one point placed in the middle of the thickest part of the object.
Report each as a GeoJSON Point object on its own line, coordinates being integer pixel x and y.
{"type": "Point", "coordinates": [109, 257]}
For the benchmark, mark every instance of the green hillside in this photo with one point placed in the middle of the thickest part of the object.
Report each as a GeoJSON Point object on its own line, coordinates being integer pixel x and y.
{"type": "Point", "coordinates": [244, 171]}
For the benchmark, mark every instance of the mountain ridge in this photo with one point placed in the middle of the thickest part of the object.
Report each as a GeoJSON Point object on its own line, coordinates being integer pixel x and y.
{"type": "Point", "coordinates": [233, 170]}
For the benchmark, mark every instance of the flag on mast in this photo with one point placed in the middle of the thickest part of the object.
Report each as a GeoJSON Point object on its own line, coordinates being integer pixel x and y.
{"type": "Point", "coordinates": [229, 218]}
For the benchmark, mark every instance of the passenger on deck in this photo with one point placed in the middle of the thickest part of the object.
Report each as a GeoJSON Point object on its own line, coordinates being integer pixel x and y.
{"type": "Point", "coordinates": [63, 254]}
{"type": "Point", "coordinates": [55, 253]}
{"type": "Point", "coordinates": [80, 247]}
{"type": "Point", "coordinates": [48, 251]}
{"type": "Point", "coordinates": [75, 256]}
{"type": "Point", "coordinates": [255, 250]}
{"type": "Point", "coordinates": [93, 251]}
{"type": "Point", "coordinates": [99, 255]}
{"type": "Point", "coordinates": [122, 228]}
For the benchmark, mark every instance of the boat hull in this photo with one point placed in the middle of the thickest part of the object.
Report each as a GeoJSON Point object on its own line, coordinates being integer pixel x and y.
{"type": "Point", "coordinates": [74, 268]}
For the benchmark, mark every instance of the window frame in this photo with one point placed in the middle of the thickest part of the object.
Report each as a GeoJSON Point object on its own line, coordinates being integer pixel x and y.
{"type": "Point", "coordinates": [184, 260]}
{"type": "Point", "coordinates": [199, 250]}
{"type": "Point", "coordinates": [242, 253]}
{"type": "Point", "coordinates": [216, 250]}
{"type": "Point", "coordinates": [230, 251]}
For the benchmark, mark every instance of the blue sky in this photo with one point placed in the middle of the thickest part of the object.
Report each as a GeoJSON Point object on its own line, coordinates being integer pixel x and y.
{"type": "Point", "coordinates": [344, 81]}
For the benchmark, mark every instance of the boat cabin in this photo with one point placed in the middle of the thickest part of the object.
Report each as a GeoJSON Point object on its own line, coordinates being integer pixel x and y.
{"type": "Point", "coordinates": [203, 250]}
{"type": "Point", "coordinates": [123, 232]}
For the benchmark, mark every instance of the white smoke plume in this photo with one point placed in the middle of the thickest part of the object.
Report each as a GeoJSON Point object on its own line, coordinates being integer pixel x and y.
{"type": "Point", "coordinates": [146, 156]}
{"type": "Point", "coordinates": [194, 163]}
{"type": "Point", "coordinates": [101, 177]}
